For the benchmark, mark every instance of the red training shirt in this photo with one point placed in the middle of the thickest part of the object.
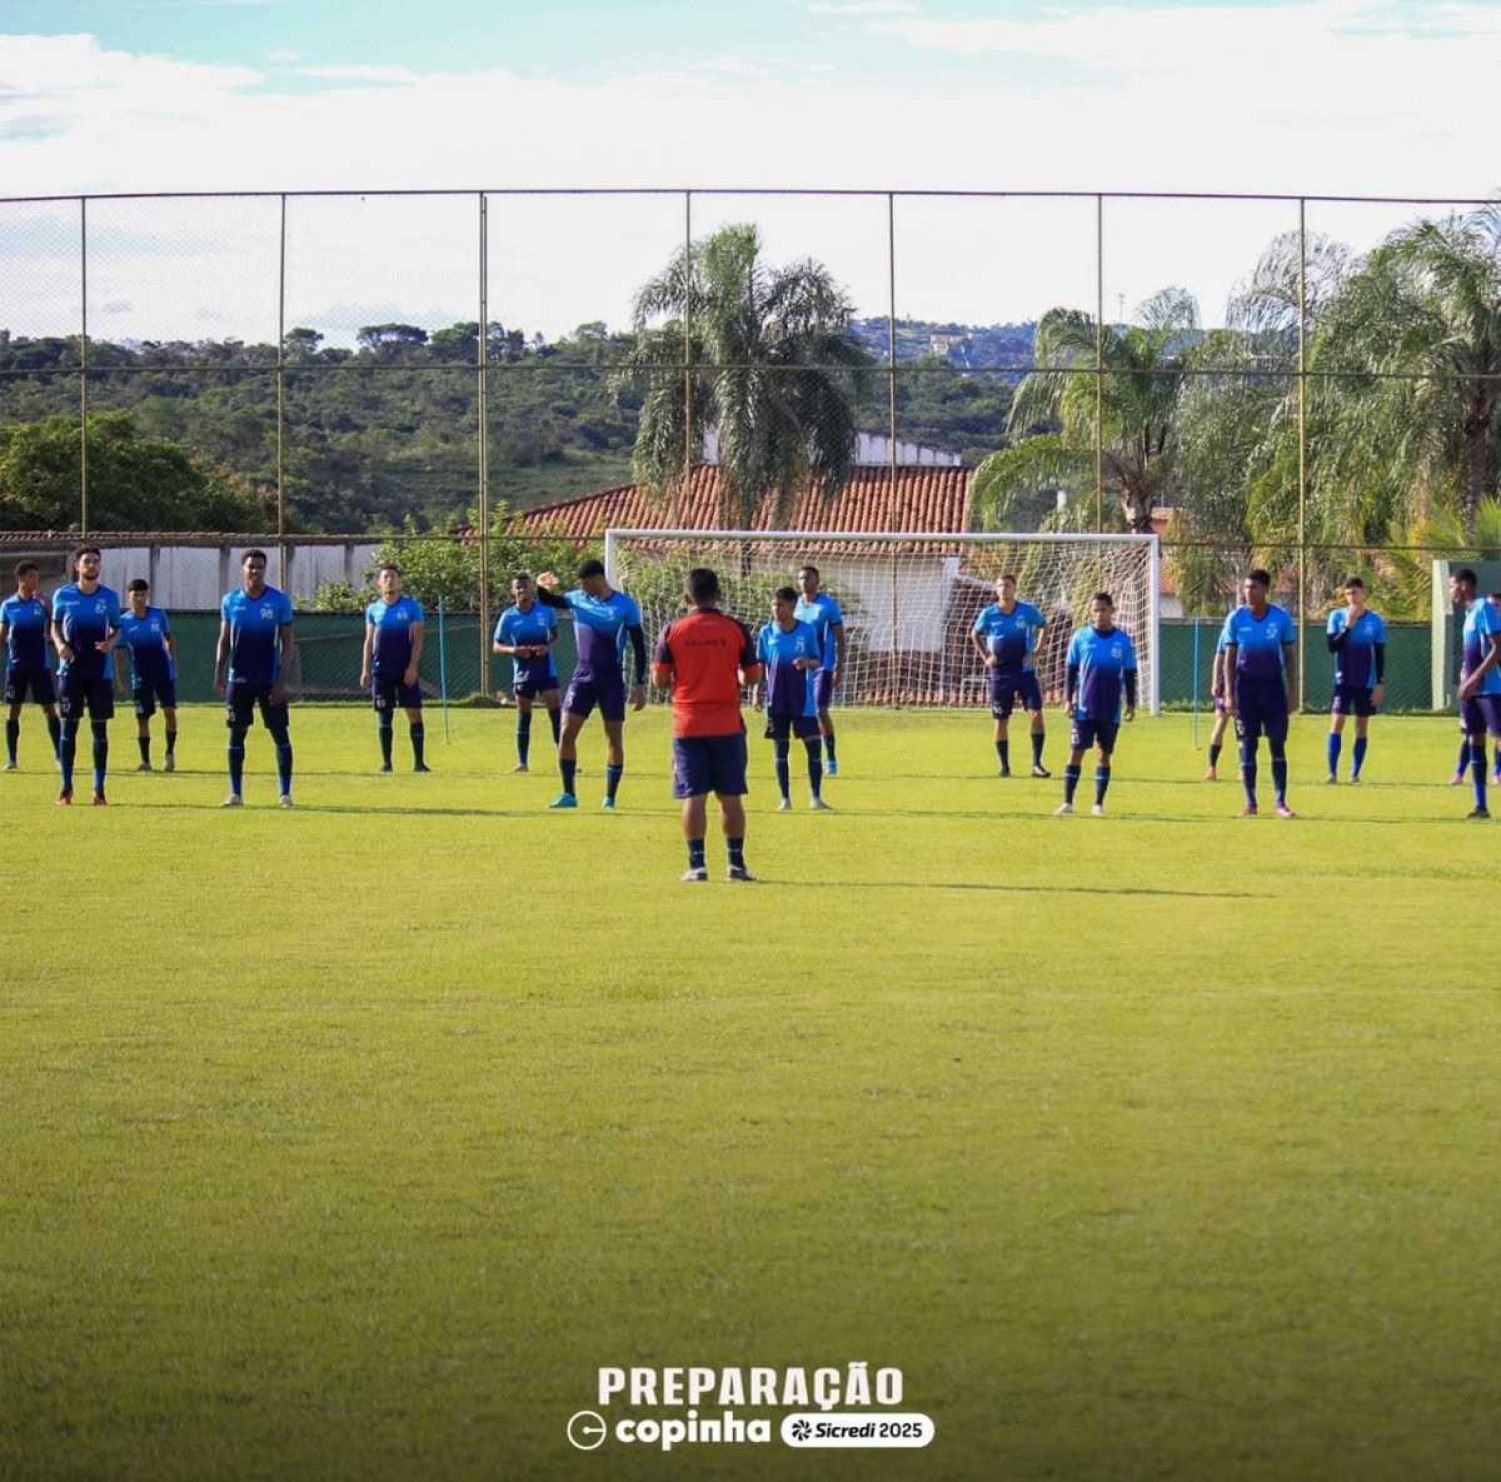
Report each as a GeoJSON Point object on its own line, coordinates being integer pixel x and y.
{"type": "Point", "coordinates": [706, 657]}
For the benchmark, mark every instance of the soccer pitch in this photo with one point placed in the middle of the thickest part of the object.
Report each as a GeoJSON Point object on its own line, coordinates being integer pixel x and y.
{"type": "Point", "coordinates": [351, 1142]}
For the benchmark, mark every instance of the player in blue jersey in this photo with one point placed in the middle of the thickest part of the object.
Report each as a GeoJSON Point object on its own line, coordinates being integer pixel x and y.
{"type": "Point", "coordinates": [395, 632]}
{"type": "Point", "coordinates": [1357, 639]}
{"type": "Point", "coordinates": [255, 657]}
{"type": "Point", "coordinates": [1221, 714]}
{"type": "Point", "coordinates": [1006, 635]}
{"type": "Point", "coordinates": [1260, 658]}
{"type": "Point", "coordinates": [525, 634]}
{"type": "Point", "coordinates": [1479, 678]}
{"type": "Point", "coordinates": [1101, 676]}
{"type": "Point", "coordinates": [149, 650]}
{"type": "Point", "coordinates": [603, 620]}
{"type": "Point", "coordinates": [23, 635]}
{"type": "Point", "coordinates": [788, 653]}
{"type": "Point", "coordinates": [85, 629]}
{"type": "Point", "coordinates": [822, 611]}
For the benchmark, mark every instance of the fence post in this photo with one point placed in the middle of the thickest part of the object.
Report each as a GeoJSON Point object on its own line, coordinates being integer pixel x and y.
{"type": "Point", "coordinates": [83, 367]}
{"type": "Point", "coordinates": [1302, 452]}
{"type": "Point", "coordinates": [443, 667]}
{"type": "Point", "coordinates": [483, 362]}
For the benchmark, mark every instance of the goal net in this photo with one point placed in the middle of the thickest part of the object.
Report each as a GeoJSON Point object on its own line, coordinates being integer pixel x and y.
{"type": "Point", "coordinates": [910, 600]}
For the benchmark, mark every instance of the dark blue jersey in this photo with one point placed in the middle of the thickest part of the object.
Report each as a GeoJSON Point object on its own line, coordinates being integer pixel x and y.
{"type": "Point", "coordinates": [1012, 635]}
{"type": "Point", "coordinates": [1355, 658]}
{"type": "Point", "coordinates": [533, 629]}
{"type": "Point", "coordinates": [1259, 641]}
{"type": "Point", "coordinates": [393, 622]}
{"type": "Point", "coordinates": [25, 620]}
{"type": "Point", "coordinates": [85, 620]}
{"type": "Point", "coordinates": [145, 639]}
{"type": "Point", "coordinates": [255, 625]}
{"type": "Point", "coordinates": [1102, 661]}
{"type": "Point", "coordinates": [790, 691]}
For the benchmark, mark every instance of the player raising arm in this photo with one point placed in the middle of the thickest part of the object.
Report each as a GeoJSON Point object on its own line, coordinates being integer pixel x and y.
{"type": "Point", "coordinates": [705, 658]}
{"type": "Point", "coordinates": [603, 620]}
{"type": "Point", "coordinates": [1101, 670]}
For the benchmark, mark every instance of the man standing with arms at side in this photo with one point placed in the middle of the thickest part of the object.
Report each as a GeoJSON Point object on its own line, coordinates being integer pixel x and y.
{"type": "Point", "coordinates": [85, 629]}
{"type": "Point", "coordinates": [395, 631]}
{"type": "Point", "coordinates": [146, 638]}
{"type": "Point", "coordinates": [706, 657]}
{"type": "Point", "coordinates": [252, 664]}
{"type": "Point", "coordinates": [1479, 678]}
{"type": "Point", "coordinates": [1260, 682]}
{"type": "Point", "coordinates": [822, 612]}
{"type": "Point", "coordinates": [1006, 635]}
{"type": "Point", "coordinates": [23, 636]}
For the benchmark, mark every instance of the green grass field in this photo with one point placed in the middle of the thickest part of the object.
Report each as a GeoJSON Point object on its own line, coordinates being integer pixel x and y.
{"type": "Point", "coordinates": [350, 1142]}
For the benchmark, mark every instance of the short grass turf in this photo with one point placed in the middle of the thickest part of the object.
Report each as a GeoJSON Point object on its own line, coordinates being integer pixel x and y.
{"type": "Point", "coordinates": [349, 1142]}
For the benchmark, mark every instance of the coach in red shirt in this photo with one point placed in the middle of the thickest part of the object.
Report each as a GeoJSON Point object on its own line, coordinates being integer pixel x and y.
{"type": "Point", "coordinates": [706, 657]}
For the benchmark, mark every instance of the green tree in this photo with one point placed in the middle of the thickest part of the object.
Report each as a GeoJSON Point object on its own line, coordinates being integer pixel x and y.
{"type": "Point", "coordinates": [775, 370]}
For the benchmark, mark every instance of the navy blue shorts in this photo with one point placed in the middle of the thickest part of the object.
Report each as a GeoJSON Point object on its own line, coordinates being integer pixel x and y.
{"type": "Point", "coordinates": [34, 682]}
{"type": "Point", "coordinates": [529, 689]}
{"type": "Point", "coordinates": [1352, 699]}
{"type": "Point", "coordinates": [151, 693]}
{"type": "Point", "coordinates": [1261, 710]}
{"type": "Point", "coordinates": [584, 694]}
{"type": "Point", "coordinates": [387, 694]}
{"type": "Point", "coordinates": [241, 701]}
{"type": "Point", "coordinates": [1085, 733]}
{"type": "Point", "coordinates": [94, 697]}
{"type": "Point", "coordinates": [1006, 689]}
{"type": "Point", "coordinates": [705, 764]}
{"type": "Point", "coordinates": [1480, 714]}
{"type": "Point", "coordinates": [781, 727]}
{"type": "Point", "coordinates": [823, 689]}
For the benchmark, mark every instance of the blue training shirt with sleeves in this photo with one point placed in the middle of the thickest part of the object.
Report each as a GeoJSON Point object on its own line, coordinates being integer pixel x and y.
{"type": "Point", "coordinates": [85, 619]}
{"type": "Point", "coordinates": [517, 629]}
{"type": "Point", "coordinates": [1103, 661]}
{"type": "Point", "coordinates": [145, 640]}
{"type": "Point", "coordinates": [823, 614]}
{"type": "Point", "coordinates": [789, 690]}
{"type": "Point", "coordinates": [1259, 642]}
{"type": "Point", "coordinates": [25, 620]}
{"type": "Point", "coordinates": [1012, 635]}
{"type": "Point", "coordinates": [1355, 658]}
{"type": "Point", "coordinates": [255, 625]}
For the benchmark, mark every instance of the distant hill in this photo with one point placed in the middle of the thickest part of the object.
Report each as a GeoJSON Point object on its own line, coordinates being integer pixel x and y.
{"type": "Point", "coordinates": [962, 346]}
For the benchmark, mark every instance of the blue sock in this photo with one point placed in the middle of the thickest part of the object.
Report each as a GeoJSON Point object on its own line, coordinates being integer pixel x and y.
{"type": "Point", "coordinates": [784, 770]}
{"type": "Point", "coordinates": [556, 717]}
{"type": "Point", "coordinates": [1101, 783]}
{"type": "Point", "coordinates": [1463, 764]}
{"type": "Point", "coordinates": [1248, 770]}
{"type": "Point", "coordinates": [695, 854]}
{"type": "Point", "coordinates": [284, 765]}
{"type": "Point", "coordinates": [523, 736]}
{"type": "Point", "coordinates": [385, 740]}
{"type": "Point", "coordinates": [828, 746]}
{"type": "Point", "coordinates": [815, 768]}
{"type": "Point", "coordinates": [1070, 781]}
{"type": "Point", "coordinates": [1279, 776]}
{"type": "Point", "coordinates": [55, 731]}
{"type": "Point", "coordinates": [67, 752]}
{"type": "Point", "coordinates": [1477, 773]}
{"type": "Point", "coordinates": [237, 762]}
{"type": "Point", "coordinates": [1336, 741]}
{"type": "Point", "coordinates": [101, 754]}
{"type": "Point", "coordinates": [567, 768]}
{"type": "Point", "coordinates": [1361, 742]}
{"type": "Point", "coordinates": [419, 741]}
{"type": "Point", "coordinates": [12, 735]}
{"type": "Point", "coordinates": [612, 779]}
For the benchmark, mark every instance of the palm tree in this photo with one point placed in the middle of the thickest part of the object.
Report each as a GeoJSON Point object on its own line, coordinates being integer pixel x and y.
{"type": "Point", "coordinates": [761, 354]}
{"type": "Point", "coordinates": [1413, 343]}
{"type": "Point", "coordinates": [1130, 412]}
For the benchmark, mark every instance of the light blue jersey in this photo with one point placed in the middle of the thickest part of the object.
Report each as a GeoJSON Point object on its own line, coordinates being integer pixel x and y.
{"type": "Point", "coordinates": [25, 620]}
{"type": "Point", "coordinates": [1012, 635]}
{"type": "Point", "coordinates": [601, 625]}
{"type": "Point", "coordinates": [824, 615]}
{"type": "Point", "coordinates": [85, 620]}
{"type": "Point", "coordinates": [1103, 660]}
{"type": "Point", "coordinates": [1482, 623]}
{"type": "Point", "coordinates": [393, 622]}
{"type": "Point", "coordinates": [1355, 658]}
{"type": "Point", "coordinates": [1259, 642]}
{"type": "Point", "coordinates": [517, 629]}
{"type": "Point", "coordinates": [255, 625]}
{"type": "Point", "coordinates": [789, 690]}
{"type": "Point", "coordinates": [145, 639]}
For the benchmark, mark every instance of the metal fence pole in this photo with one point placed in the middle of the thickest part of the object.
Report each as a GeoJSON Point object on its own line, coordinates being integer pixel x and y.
{"type": "Point", "coordinates": [893, 521]}
{"type": "Point", "coordinates": [482, 360]}
{"type": "Point", "coordinates": [1099, 364]}
{"type": "Point", "coordinates": [1302, 452]}
{"type": "Point", "coordinates": [83, 367]}
{"type": "Point", "coordinates": [689, 280]}
{"type": "Point", "coordinates": [281, 398]}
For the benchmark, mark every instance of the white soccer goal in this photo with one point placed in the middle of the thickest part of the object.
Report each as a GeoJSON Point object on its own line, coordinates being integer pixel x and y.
{"type": "Point", "coordinates": [909, 599]}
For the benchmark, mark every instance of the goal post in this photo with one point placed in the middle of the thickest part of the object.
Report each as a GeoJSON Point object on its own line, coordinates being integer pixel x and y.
{"type": "Point", "coordinates": [910, 598]}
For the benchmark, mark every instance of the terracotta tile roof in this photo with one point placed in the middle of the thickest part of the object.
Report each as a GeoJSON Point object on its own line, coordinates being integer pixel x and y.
{"type": "Point", "coordinates": [923, 499]}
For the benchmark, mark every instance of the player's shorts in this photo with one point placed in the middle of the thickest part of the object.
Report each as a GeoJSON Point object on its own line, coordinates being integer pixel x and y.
{"type": "Point", "coordinates": [782, 727]}
{"type": "Point", "coordinates": [79, 696]}
{"type": "Point", "coordinates": [1007, 689]}
{"type": "Point", "coordinates": [584, 694]}
{"type": "Point", "coordinates": [153, 692]}
{"type": "Point", "coordinates": [1085, 732]}
{"type": "Point", "coordinates": [529, 689]}
{"type": "Point", "coordinates": [705, 764]}
{"type": "Point", "coordinates": [387, 694]}
{"type": "Point", "coordinates": [241, 701]}
{"type": "Point", "coordinates": [1479, 714]}
{"type": "Point", "coordinates": [1352, 699]}
{"type": "Point", "coordinates": [34, 682]}
{"type": "Point", "coordinates": [1261, 710]}
{"type": "Point", "coordinates": [823, 689]}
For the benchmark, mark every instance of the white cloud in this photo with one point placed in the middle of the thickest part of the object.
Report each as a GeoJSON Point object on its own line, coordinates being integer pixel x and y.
{"type": "Point", "coordinates": [1314, 96]}
{"type": "Point", "coordinates": [864, 8]}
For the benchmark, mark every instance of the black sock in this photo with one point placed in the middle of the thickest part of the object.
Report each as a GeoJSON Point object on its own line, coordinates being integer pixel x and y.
{"type": "Point", "coordinates": [784, 768]}
{"type": "Point", "coordinates": [101, 754]}
{"type": "Point", "coordinates": [12, 736]}
{"type": "Point", "coordinates": [1038, 737]}
{"type": "Point", "coordinates": [55, 731]}
{"type": "Point", "coordinates": [1070, 781]}
{"type": "Point", "coordinates": [556, 717]}
{"type": "Point", "coordinates": [419, 740]}
{"type": "Point", "coordinates": [696, 854]}
{"type": "Point", "coordinates": [815, 768]}
{"type": "Point", "coordinates": [1003, 750]}
{"type": "Point", "coordinates": [523, 736]}
{"type": "Point", "coordinates": [567, 768]}
{"type": "Point", "coordinates": [144, 743]}
{"type": "Point", "coordinates": [1101, 785]}
{"type": "Point", "coordinates": [737, 852]}
{"type": "Point", "coordinates": [1248, 770]}
{"type": "Point", "coordinates": [1214, 753]}
{"type": "Point", "coordinates": [1463, 764]}
{"type": "Point", "coordinates": [828, 746]}
{"type": "Point", "coordinates": [612, 779]}
{"type": "Point", "coordinates": [67, 752]}
{"type": "Point", "coordinates": [236, 760]}
{"type": "Point", "coordinates": [385, 740]}
{"type": "Point", "coordinates": [171, 742]}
